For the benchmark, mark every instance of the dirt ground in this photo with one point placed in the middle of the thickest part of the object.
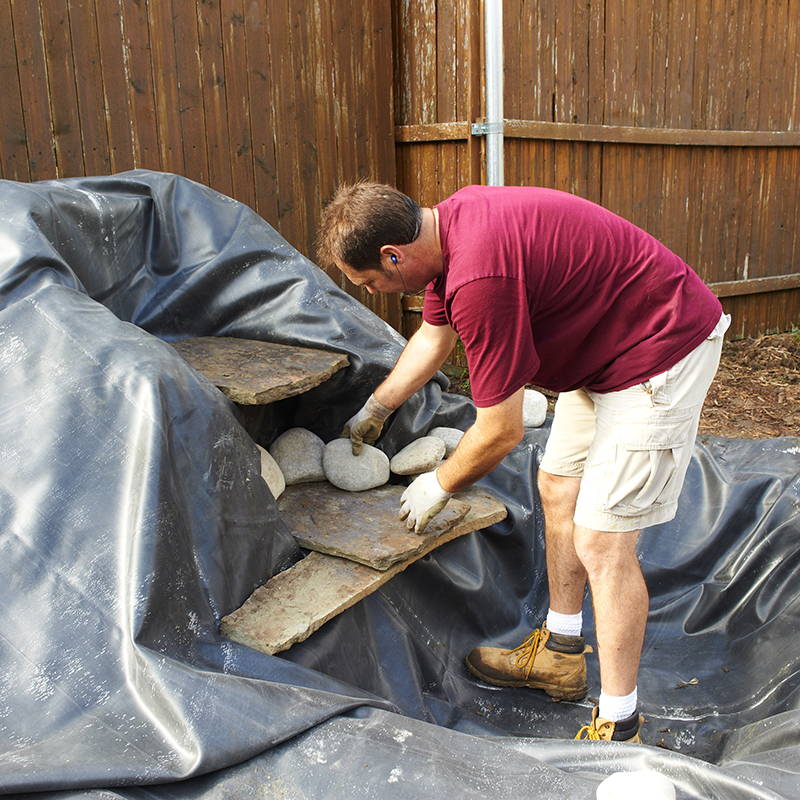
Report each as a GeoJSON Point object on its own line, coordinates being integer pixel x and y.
{"type": "Point", "coordinates": [756, 394]}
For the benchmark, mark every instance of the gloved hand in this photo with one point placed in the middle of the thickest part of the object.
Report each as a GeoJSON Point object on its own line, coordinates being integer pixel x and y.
{"type": "Point", "coordinates": [367, 424]}
{"type": "Point", "coordinates": [422, 501]}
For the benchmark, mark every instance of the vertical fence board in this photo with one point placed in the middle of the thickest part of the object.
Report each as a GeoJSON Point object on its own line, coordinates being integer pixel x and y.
{"type": "Point", "coordinates": [239, 136]}
{"type": "Point", "coordinates": [189, 112]}
{"type": "Point", "coordinates": [63, 94]}
{"type": "Point", "coordinates": [212, 81]}
{"type": "Point", "coordinates": [263, 119]}
{"type": "Point", "coordinates": [37, 129]}
{"type": "Point", "coordinates": [14, 161]}
{"type": "Point", "coordinates": [324, 130]}
{"type": "Point", "coordinates": [446, 82]}
{"type": "Point", "coordinates": [141, 85]}
{"type": "Point", "coordinates": [120, 123]}
{"type": "Point", "coordinates": [89, 85]}
{"type": "Point", "coordinates": [162, 47]}
{"type": "Point", "coordinates": [377, 105]}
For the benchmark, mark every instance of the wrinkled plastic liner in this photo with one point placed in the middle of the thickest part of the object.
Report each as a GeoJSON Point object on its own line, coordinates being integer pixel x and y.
{"type": "Point", "coordinates": [134, 517]}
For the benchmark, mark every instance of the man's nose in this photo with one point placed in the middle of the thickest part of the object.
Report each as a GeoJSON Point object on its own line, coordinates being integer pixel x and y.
{"type": "Point", "coordinates": [371, 289]}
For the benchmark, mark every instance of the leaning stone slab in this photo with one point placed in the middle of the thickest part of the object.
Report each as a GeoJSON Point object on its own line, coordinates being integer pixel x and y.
{"type": "Point", "coordinates": [354, 473]}
{"type": "Point", "coordinates": [450, 436]}
{"type": "Point", "coordinates": [298, 453]}
{"type": "Point", "coordinates": [252, 372]}
{"type": "Point", "coordinates": [271, 473]}
{"type": "Point", "coordinates": [363, 526]}
{"type": "Point", "coordinates": [295, 603]}
{"type": "Point", "coordinates": [534, 409]}
{"type": "Point", "coordinates": [420, 456]}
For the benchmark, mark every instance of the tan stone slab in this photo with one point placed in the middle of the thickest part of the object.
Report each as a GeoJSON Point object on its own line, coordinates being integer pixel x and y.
{"type": "Point", "coordinates": [289, 607]}
{"type": "Point", "coordinates": [256, 373]}
{"type": "Point", "coordinates": [361, 526]}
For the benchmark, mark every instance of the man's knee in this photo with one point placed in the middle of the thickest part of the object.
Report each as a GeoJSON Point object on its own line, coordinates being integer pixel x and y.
{"type": "Point", "coordinates": [603, 551]}
{"type": "Point", "coordinates": [557, 490]}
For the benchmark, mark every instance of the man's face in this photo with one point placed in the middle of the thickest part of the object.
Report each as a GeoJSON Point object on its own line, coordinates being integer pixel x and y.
{"type": "Point", "coordinates": [374, 280]}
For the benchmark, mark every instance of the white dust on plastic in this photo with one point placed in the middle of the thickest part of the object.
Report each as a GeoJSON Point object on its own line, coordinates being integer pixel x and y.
{"type": "Point", "coordinates": [108, 233]}
{"type": "Point", "coordinates": [314, 752]}
{"type": "Point", "coordinates": [395, 775]}
{"type": "Point", "coordinates": [13, 352]}
{"type": "Point", "coordinates": [401, 736]}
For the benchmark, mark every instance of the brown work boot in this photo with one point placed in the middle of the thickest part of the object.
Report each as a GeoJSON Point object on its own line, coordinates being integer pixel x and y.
{"type": "Point", "coordinates": [549, 661]}
{"type": "Point", "coordinates": [626, 730]}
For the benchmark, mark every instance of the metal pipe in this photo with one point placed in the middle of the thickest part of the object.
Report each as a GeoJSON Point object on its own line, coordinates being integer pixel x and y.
{"type": "Point", "coordinates": [493, 25]}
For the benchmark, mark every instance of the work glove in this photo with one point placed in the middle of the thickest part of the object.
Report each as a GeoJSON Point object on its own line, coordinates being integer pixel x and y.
{"type": "Point", "coordinates": [422, 501]}
{"type": "Point", "coordinates": [366, 425]}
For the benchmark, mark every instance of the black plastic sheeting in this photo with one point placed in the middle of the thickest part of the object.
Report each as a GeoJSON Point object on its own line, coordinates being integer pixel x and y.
{"type": "Point", "coordinates": [134, 517]}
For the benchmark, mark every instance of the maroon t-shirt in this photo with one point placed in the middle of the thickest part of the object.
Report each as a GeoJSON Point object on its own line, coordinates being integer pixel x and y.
{"type": "Point", "coordinates": [546, 288]}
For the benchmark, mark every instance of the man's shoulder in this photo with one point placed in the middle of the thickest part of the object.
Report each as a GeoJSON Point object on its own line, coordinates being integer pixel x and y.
{"type": "Point", "coordinates": [478, 191]}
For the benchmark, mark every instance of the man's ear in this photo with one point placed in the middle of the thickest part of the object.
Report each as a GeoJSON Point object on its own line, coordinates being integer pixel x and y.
{"type": "Point", "coordinates": [391, 253]}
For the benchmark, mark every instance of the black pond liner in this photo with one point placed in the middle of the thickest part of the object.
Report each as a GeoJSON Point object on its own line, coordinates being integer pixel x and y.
{"type": "Point", "coordinates": [134, 517]}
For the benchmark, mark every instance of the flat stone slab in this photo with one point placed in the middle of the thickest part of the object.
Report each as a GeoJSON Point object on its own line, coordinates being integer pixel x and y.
{"type": "Point", "coordinates": [256, 373]}
{"type": "Point", "coordinates": [292, 605]}
{"type": "Point", "coordinates": [364, 527]}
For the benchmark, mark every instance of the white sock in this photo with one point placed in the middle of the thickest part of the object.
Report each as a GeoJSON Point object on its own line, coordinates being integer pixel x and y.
{"type": "Point", "coordinates": [614, 708]}
{"type": "Point", "coordinates": [565, 624]}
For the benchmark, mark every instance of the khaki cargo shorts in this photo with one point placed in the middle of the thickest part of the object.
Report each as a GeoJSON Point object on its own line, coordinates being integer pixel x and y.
{"type": "Point", "coordinates": [631, 448]}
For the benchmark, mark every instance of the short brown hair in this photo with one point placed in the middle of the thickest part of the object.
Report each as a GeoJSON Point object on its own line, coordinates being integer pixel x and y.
{"type": "Point", "coordinates": [362, 217]}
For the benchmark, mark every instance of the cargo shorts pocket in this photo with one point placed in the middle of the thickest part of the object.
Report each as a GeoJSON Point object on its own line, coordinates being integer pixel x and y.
{"type": "Point", "coordinates": [648, 469]}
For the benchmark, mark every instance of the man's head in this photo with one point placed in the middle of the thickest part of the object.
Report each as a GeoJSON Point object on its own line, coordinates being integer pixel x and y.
{"type": "Point", "coordinates": [360, 219]}
{"type": "Point", "coordinates": [379, 238]}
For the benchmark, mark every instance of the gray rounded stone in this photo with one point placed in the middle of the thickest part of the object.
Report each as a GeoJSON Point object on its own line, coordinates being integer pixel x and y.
{"type": "Point", "coordinates": [354, 473]}
{"type": "Point", "coordinates": [271, 473]}
{"type": "Point", "coordinates": [450, 436]}
{"type": "Point", "coordinates": [420, 456]}
{"type": "Point", "coordinates": [534, 409]}
{"type": "Point", "coordinates": [298, 453]}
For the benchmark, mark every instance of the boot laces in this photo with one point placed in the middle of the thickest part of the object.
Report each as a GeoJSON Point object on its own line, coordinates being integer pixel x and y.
{"type": "Point", "coordinates": [589, 732]}
{"type": "Point", "coordinates": [597, 730]}
{"type": "Point", "coordinates": [526, 652]}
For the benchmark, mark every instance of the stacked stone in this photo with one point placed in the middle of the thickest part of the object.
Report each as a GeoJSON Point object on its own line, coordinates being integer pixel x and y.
{"type": "Point", "coordinates": [300, 456]}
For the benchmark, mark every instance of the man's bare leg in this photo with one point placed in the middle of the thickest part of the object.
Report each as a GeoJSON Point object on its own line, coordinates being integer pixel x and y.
{"type": "Point", "coordinates": [620, 600]}
{"type": "Point", "coordinates": [566, 575]}
{"type": "Point", "coordinates": [554, 663]}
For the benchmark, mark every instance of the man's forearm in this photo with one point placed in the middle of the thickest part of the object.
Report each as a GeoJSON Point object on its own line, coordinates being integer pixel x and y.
{"type": "Point", "coordinates": [475, 457]}
{"type": "Point", "coordinates": [424, 354]}
{"type": "Point", "coordinates": [496, 432]}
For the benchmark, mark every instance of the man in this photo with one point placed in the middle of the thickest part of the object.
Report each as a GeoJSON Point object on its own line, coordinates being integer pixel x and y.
{"type": "Point", "coordinates": [549, 289]}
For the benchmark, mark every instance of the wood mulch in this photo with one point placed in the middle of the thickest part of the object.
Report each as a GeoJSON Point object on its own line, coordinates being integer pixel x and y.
{"type": "Point", "coordinates": [755, 395]}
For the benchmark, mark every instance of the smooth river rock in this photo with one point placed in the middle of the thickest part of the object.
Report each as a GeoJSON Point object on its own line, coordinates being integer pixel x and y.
{"type": "Point", "coordinates": [354, 473]}
{"type": "Point", "coordinates": [450, 436]}
{"type": "Point", "coordinates": [298, 452]}
{"type": "Point", "coordinates": [420, 456]}
{"type": "Point", "coordinates": [534, 409]}
{"type": "Point", "coordinates": [271, 473]}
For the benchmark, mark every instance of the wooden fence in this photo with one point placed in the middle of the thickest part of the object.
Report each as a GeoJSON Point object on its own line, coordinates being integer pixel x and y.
{"type": "Point", "coordinates": [681, 115]}
{"type": "Point", "coordinates": [272, 102]}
